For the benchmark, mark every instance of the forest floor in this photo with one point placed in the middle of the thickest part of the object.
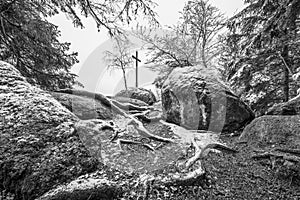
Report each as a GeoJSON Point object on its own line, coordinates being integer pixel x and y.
{"type": "Point", "coordinates": [237, 176]}
{"type": "Point", "coordinates": [242, 177]}
{"type": "Point", "coordinates": [228, 176]}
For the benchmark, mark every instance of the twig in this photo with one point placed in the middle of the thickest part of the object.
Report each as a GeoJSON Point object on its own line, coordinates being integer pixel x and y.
{"type": "Point", "coordinates": [285, 64]}
{"type": "Point", "coordinates": [120, 141]}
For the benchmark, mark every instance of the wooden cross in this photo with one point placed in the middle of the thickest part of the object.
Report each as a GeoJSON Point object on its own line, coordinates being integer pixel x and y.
{"type": "Point", "coordinates": [137, 60]}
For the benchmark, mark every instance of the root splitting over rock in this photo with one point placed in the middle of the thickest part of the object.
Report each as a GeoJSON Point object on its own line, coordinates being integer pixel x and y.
{"type": "Point", "coordinates": [117, 107]}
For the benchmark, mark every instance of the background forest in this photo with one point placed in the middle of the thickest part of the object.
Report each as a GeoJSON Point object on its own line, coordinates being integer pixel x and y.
{"type": "Point", "coordinates": [257, 50]}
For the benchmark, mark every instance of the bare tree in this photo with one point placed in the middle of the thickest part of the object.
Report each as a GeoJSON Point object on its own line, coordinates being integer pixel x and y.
{"type": "Point", "coordinates": [191, 41]}
{"type": "Point", "coordinates": [120, 58]}
{"type": "Point", "coordinates": [203, 22]}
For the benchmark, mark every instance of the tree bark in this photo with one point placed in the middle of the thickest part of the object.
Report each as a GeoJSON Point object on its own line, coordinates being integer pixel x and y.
{"type": "Point", "coordinates": [203, 46]}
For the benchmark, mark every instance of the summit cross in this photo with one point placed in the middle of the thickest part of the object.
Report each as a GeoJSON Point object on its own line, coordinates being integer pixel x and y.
{"type": "Point", "coordinates": [137, 60]}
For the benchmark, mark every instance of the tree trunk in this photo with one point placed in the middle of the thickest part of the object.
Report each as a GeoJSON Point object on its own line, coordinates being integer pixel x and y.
{"type": "Point", "coordinates": [286, 74]}
{"type": "Point", "coordinates": [203, 57]}
{"type": "Point", "coordinates": [124, 77]}
{"type": "Point", "coordinates": [203, 53]}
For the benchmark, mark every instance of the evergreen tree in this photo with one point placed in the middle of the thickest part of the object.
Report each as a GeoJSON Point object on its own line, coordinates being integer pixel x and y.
{"type": "Point", "coordinates": [30, 42]}
{"type": "Point", "coordinates": [263, 51]}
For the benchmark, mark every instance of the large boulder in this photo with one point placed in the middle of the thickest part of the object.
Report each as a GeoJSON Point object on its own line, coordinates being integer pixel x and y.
{"type": "Point", "coordinates": [273, 130]}
{"type": "Point", "coordinates": [196, 98]}
{"type": "Point", "coordinates": [138, 93]}
{"type": "Point", "coordinates": [274, 141]}
{"type": "Point", "coordinates": [39, 147]}
{"type": "Point", "coordinates": [292, 107]}
{"type": "Point", "coordinates": [83, 107]}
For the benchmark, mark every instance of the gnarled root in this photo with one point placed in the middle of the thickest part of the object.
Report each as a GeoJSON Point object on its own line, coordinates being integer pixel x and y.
{"type": "Point", "coordinates": [201, 153]}
{"type": "Point", "coordinates": [143, 131]}
{"type": "Point", "coordinates": [143, 116]}
{"type": "Point", "coordinates": [129, 106]}
{"type": "Point", "coordinates": [117, 107]}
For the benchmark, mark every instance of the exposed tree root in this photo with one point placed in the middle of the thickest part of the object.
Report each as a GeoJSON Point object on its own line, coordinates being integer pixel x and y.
{"type": "Point", "coordinates": [143, 116]}
{"type": "Point", "coordinates": [133, 112]}
{"type": "Point", "coordinates": [171, 179]}
{"type": "Point", "coordinates": [290, 151]}
{"type": "Point", "coordinates": [97, 96]}
{"type": "Point", "coordinates": [129, 106]}
{"type": "Point", "coordinates": [191, 175]}
{"type": "Point", "coordinates": [120, 141]}
{"type": "Point", "coordinates": [143, 131]}
{"type": "Point", "coordinates": [117, 107]}
{"type": "Point", "coordinates": [201, 153]}
{"type": "Point", "coordinates": [129, 100]}
{"type": "Point", "coordinates": [141, 113]}
{"type": "Point", "coordinates": [268, 155]}
{"type": "Point", "coordinates": [198, 154]}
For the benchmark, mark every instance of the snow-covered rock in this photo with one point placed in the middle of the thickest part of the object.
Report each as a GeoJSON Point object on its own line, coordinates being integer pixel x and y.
{"type": "Point", "coordinates": [197, 98]}
{"type": "Point", "coordinates": [47, 152]}
{"type": "Point", "coordinates": [83, 107]}
{"type": "Point", "coordinates": [275, 139]}
{"type": "Point", "coordinates": [276, 131]}
{"type": "Point", "coordinates": [138, 93]}
{"type": "Point", "coordinates": [39, 145]}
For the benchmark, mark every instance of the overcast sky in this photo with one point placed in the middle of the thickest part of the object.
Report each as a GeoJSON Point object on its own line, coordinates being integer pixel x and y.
{"type": "Point", "coordinates": [90, 44]}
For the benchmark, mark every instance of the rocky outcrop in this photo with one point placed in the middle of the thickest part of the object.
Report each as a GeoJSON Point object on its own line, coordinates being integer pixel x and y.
{"type": "Point", "coordinates": [196, 98]}
{"type": "Point", "coordinates": [292, 107]}
{"type": "Point", "coordinates": [138, 93]}
{"type": "Point", "coordinates": [39, 145]}
{"type": "Point", "coordinates": [47, 152]}
{"type": "Point", "coordinates": [83, 107]}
